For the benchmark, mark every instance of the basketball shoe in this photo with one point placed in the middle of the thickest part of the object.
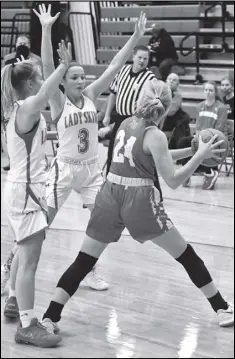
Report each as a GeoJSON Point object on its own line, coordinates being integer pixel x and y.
{"type": "Point", "coordinates": [226, 317]}
{"type": "Point", "coordinates": [51, 327]}
{"type": "Point", "coordinates": [210, 179]}
{"type": "Point", "coordinates": [11, 309]}
{"type": "Point", "coordinates": [94, 281]}
{"type": "Point", "coordinates": [36, 334]}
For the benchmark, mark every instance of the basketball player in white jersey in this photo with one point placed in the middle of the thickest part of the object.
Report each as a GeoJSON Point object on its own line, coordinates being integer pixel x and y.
{"type": "Point", "coordinates": [76, 164]}
{"type": "Point", "coordinates": [24, 95]}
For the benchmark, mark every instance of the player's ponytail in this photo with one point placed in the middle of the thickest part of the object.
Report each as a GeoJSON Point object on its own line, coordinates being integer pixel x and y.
{"type": "Point", "coordinates": [154, 102]}
{"type": "Point", "coordinates": [13, 79]}
{"type": "Point", "coordinates": [8, 94]}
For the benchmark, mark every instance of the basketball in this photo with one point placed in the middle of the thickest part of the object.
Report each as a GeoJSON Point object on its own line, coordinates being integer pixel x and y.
{"type": "Point", "coordinates": [206, 135]}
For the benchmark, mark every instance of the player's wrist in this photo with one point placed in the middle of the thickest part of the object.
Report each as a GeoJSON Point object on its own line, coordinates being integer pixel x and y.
{"type": "Point", "coordinates": [200, 154]}
{"type": "Point", "coordinates": [46, 28]}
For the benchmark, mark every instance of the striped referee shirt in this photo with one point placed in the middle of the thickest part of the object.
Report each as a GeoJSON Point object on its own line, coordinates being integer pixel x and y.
{"type": "Point", "coordinates": [127, 86]}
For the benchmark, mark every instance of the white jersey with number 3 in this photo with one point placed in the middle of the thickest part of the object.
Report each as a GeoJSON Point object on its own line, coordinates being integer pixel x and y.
{"type": "Point", "coordinates": [78, 131]}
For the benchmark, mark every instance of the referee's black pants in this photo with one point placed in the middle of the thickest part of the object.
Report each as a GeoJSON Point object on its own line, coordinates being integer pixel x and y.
{"type": "Point", "coordinates": [118, 120]}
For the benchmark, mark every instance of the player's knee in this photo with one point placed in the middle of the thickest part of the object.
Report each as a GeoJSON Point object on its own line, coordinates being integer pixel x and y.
{"type": "Point", "coordinates": [29, 251]}
{"type": "Point", "coordinates": [188, 255]}
{"type": "Point", "coordinates": [195, 267]}
{"type": "Point", "coordinates": [71, 279]}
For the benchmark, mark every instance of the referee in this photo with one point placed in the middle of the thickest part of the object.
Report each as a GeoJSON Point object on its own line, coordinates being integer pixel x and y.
{"type": "Point", "coordinates": [124, 91]}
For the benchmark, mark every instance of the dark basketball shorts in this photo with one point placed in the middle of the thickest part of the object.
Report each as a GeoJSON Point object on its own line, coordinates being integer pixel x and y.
{"type": "Point", "coordinates": [137, 208]}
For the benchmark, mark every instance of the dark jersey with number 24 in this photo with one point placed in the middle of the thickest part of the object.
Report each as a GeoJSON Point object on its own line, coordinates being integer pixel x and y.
{"type": "Point", "coordinates": [129, 159]}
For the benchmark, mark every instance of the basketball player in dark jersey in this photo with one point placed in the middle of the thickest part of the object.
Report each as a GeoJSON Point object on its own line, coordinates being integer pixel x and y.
{"type": "Point", "coordinates": [129, 199]}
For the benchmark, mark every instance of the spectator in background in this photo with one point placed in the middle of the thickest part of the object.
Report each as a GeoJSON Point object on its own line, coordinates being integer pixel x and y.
{"type": "Point", "coordinates": [23, 46]}
{"type": "Point", "coordinates": [163, 53]}
{"type": "Point", "coordinates": [211, 113]}
{"type": "Point", "coordinates": [227, 95]}
{"type": "Point", "coordinates": [177, 119]}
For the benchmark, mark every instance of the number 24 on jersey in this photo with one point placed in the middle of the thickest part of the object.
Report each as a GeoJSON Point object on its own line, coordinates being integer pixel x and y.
{"type": "Point", "coordinates": [118, 156]}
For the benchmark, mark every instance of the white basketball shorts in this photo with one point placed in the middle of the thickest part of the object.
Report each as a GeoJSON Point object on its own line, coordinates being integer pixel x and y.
{"type": "Point", "coordinates": [25, 208]}
{"type": "Point", "coordinates": [66, 174]}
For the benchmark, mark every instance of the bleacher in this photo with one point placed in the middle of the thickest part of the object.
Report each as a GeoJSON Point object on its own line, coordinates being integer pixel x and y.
{"type": "Point", "coordinates": [117, 23]}
{"type": "Point", "coordinates": [179, 18]}
{"type": "Point", "coordinates": [15, 20]}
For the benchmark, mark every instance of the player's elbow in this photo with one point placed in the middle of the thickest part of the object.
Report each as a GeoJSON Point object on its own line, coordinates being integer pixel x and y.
{"type": "Point", "coordinates": [172, 183]}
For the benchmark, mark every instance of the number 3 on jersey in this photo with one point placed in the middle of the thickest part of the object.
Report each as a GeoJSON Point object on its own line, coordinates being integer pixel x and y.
{"type": "Point", "coordinates": [83, 136]}
{"type": "Point", "coordinates": [119, 157]}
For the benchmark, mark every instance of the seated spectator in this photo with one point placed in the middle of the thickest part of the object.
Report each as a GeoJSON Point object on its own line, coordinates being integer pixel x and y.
{"type": "Point", "coordinates": [163, 52]}
{"type": "Point", "coordinates": [211, 113]}
{"type": "Point", "coordinates": [177, 119]}
{"type": "Point", "coordinates": [227, 95]}
{"type": "Point", "coordinates": [22, 48]}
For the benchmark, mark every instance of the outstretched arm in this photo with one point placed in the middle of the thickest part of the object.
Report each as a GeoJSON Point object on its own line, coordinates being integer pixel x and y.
{"type": "Point", "coordinates": [97, 87]}
{"type": "Point", "coordinates": [33, 104]}
{"type": "Point", "coordinates": [46, 20]}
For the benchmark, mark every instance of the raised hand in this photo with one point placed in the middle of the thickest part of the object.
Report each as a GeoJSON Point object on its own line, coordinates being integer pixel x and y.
{"type": "Point", "coordinates": [19, 60]}
{"type": "Point", "coordinates": [209, 149]}
{"type": "Point", "coordinates": [45, 15]}
{"type": "Point", "coordinates": [64, 53]}
{"type": "Point", "coordinates": [140, 25]}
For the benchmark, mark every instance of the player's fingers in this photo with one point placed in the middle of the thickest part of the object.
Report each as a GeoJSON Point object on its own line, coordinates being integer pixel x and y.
{"type": "Point", "coordinates": [221, 150]}
{"type": "Point", "coordinates": [217, 158]}
{"type": "Point", "coordinates": [44, 8]}
{"type": "Point", "coordinates": [200, 138]}
{"type": "Point", "coordinates": [36, 13]}
{"type": "Point", "coordinates": [218, 143]}
{"type": "Point", "coordinates": [213, 139]}
{"type": "Point", "coordinates": [69, 47]}
{"type": "Point", "coordinates": [59, 53]}
{"type": "Point", "coordinates": [57, 15]}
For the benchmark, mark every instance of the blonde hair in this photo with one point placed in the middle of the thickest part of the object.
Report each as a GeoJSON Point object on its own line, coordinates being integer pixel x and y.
{"type": "Point", "coordinates": [13, 78]}
{"type": "Point", "coordinates": [154, 101]}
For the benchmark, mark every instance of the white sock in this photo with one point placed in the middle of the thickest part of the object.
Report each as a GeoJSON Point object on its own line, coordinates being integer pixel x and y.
{"type": "Point", "coordinates": [12, 293]}
{"type": "Point", "coordinates": [26, 316]}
